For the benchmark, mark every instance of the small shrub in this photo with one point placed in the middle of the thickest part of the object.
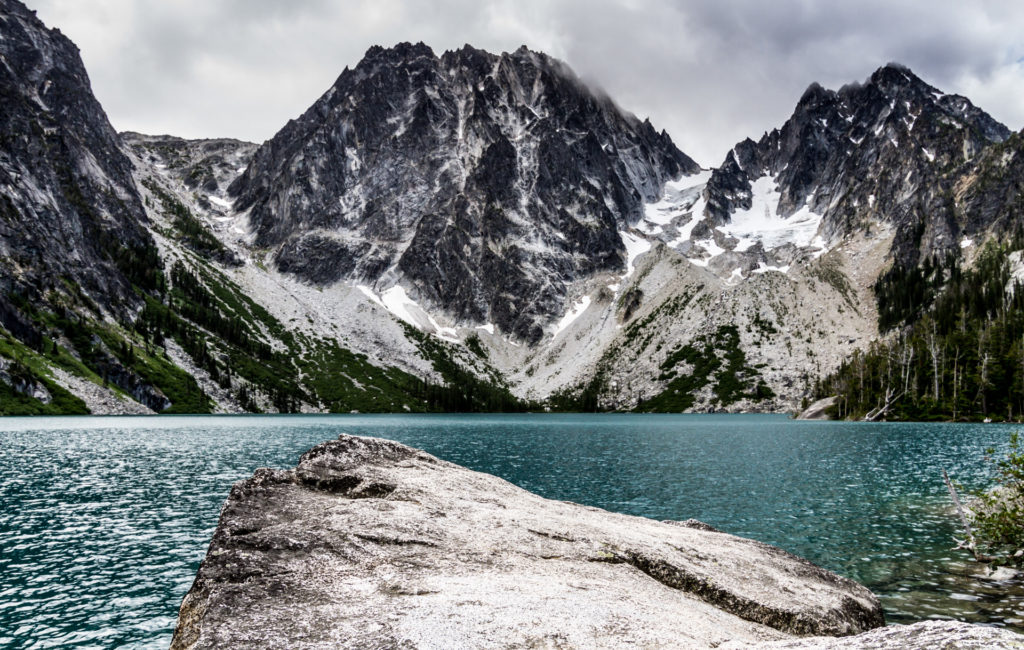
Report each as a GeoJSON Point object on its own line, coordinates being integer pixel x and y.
{"type": "Point", "coordinates": [999, 515]}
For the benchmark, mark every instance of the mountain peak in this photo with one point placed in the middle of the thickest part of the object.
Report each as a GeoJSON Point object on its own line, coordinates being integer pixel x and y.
{"type": "Point", "coordinates": [896, 67]}
{"type": "Point", "coordinates": [434, 172]}
{"type": "Point", "coordinates": [894, 78]}
{"type": "Point", "coordinates": [814, 96]}
{"type": "Point", "coordinates": [863, 153]}
{"type": "Point", "coordinates": [400, 51]}
{"type": "Point", "coordinates": [65, 218]}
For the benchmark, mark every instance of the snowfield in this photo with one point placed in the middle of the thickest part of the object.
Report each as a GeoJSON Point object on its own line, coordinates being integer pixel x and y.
{"type": "Point", "coordinates": [763, 224]}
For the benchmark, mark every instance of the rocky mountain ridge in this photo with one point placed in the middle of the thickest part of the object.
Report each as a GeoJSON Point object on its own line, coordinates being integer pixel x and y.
{"type": "Point", "coordinates": [544, 249]}
{"type": "Point", "coordinates": [889, 150]}
{"type": "Point", "coordinates": [479, 183]}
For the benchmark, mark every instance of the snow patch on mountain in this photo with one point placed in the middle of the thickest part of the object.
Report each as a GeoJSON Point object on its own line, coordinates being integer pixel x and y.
{"type": "Point", "coordinates": [635, 247]}
{"type": "Point", "coordinates": [398, 302]}
{"type": "Point", "coordinates": [219, 201]}
{"type": "Point", "coordinates": [679, 200]}
{"type": "Point", "coordinates": [748, 239]}
{"type": "Point", "coordinates": [763, 223]}
{"type": "Point", "coordinates": [709, 247]}
{"type": "Point", "coordinates": [765, 268]}
{"type": "Point", "coordinates": [575, 312]}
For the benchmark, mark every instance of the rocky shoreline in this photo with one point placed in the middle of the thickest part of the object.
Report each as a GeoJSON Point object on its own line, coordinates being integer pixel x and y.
{"type": "Point", "coordinates": [368, 543]}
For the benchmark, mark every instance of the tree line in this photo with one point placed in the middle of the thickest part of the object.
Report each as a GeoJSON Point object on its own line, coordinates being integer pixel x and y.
{"type": "Point", "coordinates": [956, 348]}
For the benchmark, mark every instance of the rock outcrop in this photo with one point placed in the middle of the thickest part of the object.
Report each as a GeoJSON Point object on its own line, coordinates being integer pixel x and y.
{"type": "Point", "coordinates": [818, 410]}
{"type": "Point", "coordinates": [368, 543]}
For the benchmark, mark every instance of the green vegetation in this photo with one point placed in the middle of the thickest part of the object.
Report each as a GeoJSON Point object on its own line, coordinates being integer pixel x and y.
{"type": "Point", "coordinates": [344, 381]}
{"type": "Point", "coordinates": [157, 370]}
{"type": "Point", "coordinates": [999, 514]}
{"type": "Point", "coordinates": [764, 326]}
{"type": "Point", "coordinates": [25, 368]}
{"type": "Point", "coordinates": [462, 390]}
{"type": "Point", "coordinates": [585, 398]}
{"type": "Point", "coordinates": [715, 359]}
{"type": "Point", "coordinates": [111, 356]}
{"type": "Point", "coordinates": [637, 333]}
{"type": "Point", "coordinates": [475, 346]}
{"type": "Point", "coordinates": [242, 348]}
{"type": "Point", "coordinates": [190, 230]}
{"type": "Point", "coordinates": [904, 294]}
{"type": "Point", "coordinates": [958, 347]}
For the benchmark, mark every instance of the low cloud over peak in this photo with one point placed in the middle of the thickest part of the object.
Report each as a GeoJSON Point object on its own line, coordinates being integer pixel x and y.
{"type": "Point", "coordinates": [709, 73]}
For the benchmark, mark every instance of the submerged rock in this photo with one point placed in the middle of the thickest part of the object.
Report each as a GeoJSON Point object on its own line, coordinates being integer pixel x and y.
{"type": "Point", "coordinates": [368, 543]}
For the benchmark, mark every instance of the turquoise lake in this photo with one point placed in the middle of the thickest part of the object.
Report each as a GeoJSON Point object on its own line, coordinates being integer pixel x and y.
{"type": "Point", "coordinates": [103, 520]}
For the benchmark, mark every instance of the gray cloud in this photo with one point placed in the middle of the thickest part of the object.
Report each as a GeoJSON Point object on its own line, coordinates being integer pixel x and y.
{"type": "Point", "coordinates": [711, 73]}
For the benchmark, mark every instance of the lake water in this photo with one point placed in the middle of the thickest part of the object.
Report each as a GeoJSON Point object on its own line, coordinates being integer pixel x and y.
{"type": "Point", "coordinates": [103, 520]}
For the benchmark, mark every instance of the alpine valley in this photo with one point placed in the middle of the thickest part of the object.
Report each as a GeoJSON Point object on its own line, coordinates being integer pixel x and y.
{"type": "Point", "coordinates": [482, 232]}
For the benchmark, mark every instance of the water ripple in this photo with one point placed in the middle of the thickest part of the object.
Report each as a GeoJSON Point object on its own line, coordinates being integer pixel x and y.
{"type": "Point", "coordinates": [103, 521]}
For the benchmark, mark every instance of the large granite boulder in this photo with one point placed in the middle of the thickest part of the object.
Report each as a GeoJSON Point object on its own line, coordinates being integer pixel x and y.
{"type": "Point", "coordinates": [368, 543]}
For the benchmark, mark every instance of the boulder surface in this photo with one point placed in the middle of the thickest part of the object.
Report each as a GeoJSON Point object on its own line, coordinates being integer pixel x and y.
{"type": "Point", "coordinates": [369, 543]}
{"type": "Point", "coordinates": [926, 635]}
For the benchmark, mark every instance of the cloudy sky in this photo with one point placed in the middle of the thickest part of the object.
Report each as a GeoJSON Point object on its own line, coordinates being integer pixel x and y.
{"type": "Point", "coordinates": [710, 72]}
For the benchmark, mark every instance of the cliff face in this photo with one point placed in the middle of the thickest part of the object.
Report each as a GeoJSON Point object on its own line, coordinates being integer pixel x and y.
{"type": "Point", "coordinates": [485, 183]}
{"type": "Point", "coordinates": [989, 193]}
{"type": "Point", "coordinates": [69, 211]}
{"type": "Point", "coordinates": [369, 543]}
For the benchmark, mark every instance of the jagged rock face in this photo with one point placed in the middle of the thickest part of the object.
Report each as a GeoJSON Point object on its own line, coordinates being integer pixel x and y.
{"type": "Point", "coordinates": [25, 385]}
{"type": "Point", "coordinates": [369, 543]}
{"type": "Point", "coordinates": [989, 195]}
{"type": "Point", "coordinates": [196, 173]}
{"type": "Point", "coordinates": [205, 167]}
{"type": "Point", "coordinates": [484, 182]}
{"type": "Point", "coordinates": [67, 200]}
{"type": "Point", "coordinates": [886, 150]}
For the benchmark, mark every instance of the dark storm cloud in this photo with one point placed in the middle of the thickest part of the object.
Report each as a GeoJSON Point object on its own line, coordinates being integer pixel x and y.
{"type": "Point", "coordinates": [711, 73]}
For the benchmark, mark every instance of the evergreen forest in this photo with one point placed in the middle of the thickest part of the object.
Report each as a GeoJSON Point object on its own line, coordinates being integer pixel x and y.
{"type": "Point", "coordinates": [952, 345]}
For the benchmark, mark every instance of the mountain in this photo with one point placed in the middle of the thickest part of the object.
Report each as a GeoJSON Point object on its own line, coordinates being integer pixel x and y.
{"type": "Point", "coordinates": [796, 229]}
{"type": "Point", "coordinates": [114, 287]}
{"type": "Point", "coordinates": [72, 220]}
{"type": "Point", "coordinates": [953, 324]}
{"type": "Point", "coordinates": [881, 151]}
{"type": "Point", "coordinates": [479, 183]}
{"type": "Point", "coordinates": [74, 239]}
{"type": "Point", "coordinates": [477, 231]}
